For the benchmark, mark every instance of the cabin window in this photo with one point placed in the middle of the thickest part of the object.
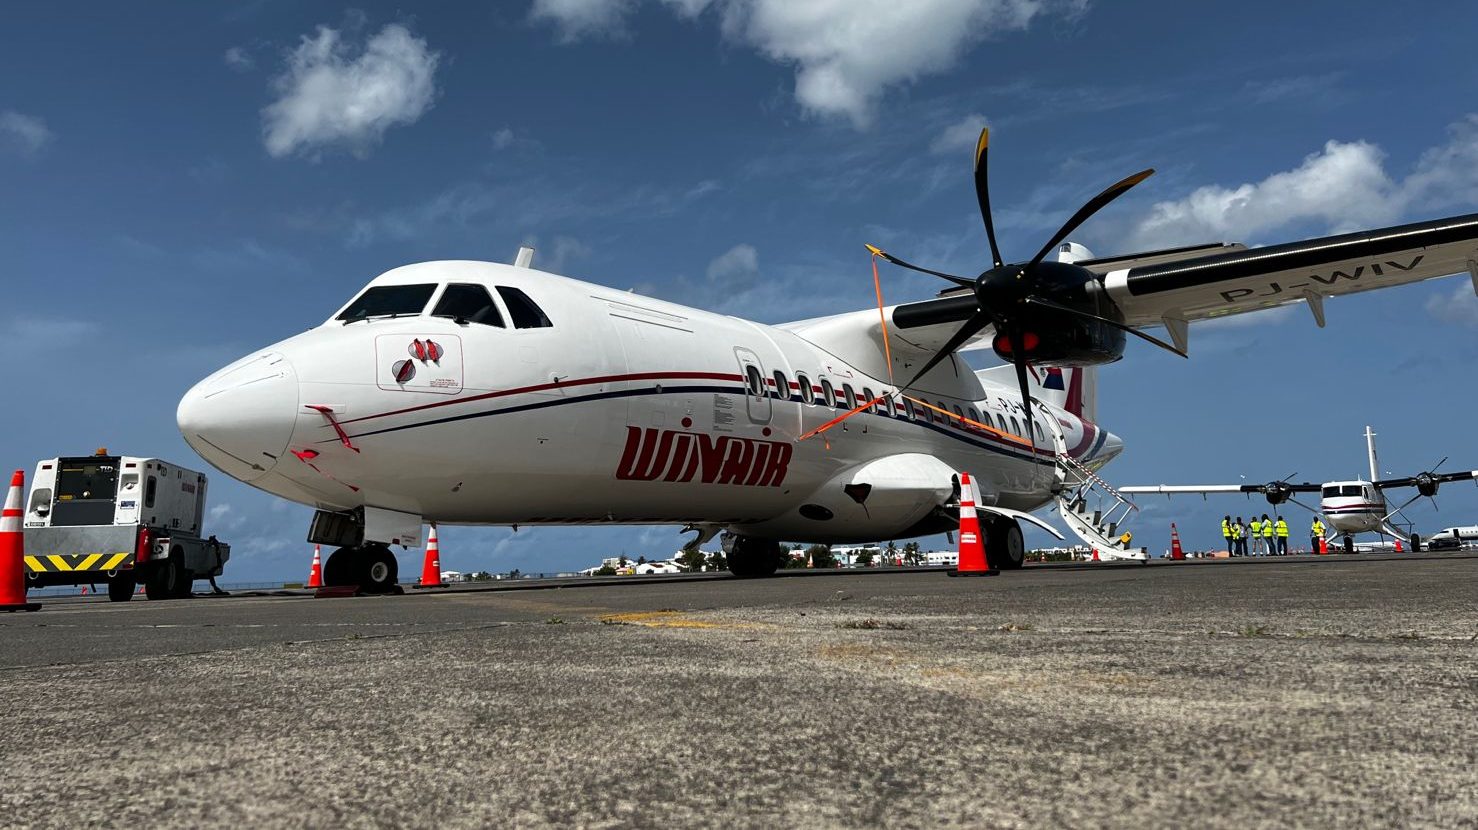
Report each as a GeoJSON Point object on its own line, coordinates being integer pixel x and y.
{"type": "Point", "coordinates": [1330, 492]}
{"type": "Point", "coordinates": [959, 413]}
{"type": "Point", "coordinates": [1041, 438]}
{"type": "Point", "coordinates": [468, 303]}
{"type": "Point", "coordinates": [974, 416]}
{"type": "Point", "coordinates": [938, 416]}
{"type": "Point", "coordinates": [808, 394]}
{"type": "Point", "coordinates": [755, 380]}
{"type": "Point", "coordinates": [782, 386]}
{"type": "Point", "coordinates": [1350, 490]}
{"type": "Point", "coordinates": [150, 486]}
{"type": "Point", "coordinates": [908, 410]}
{"type": "Point", "coordinates": [1015, 427]}
{"type": "Point", "coordinates": [389, 301]}
{"type": "Point", "coordinates": [525, 313]}
{"type": "Point", "coordinates": [849, 398]}
{"type": "Point", "coordinates": [1001, 422]}
{"type": "Point", "coordinates": [828, 394]}
{"type": "Point", "coordinates": [867, 396]}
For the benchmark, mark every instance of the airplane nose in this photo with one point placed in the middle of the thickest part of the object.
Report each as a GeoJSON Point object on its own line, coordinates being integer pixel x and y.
{"type": "Point", "coordinates": [241, 418]}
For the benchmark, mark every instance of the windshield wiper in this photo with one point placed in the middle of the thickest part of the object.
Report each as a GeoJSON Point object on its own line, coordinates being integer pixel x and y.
{"type": "Point", "coordinates": [359, 317]}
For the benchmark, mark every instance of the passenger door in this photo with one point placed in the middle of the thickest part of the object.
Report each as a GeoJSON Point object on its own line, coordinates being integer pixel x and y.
{"type": "Point", "coordinates": [757, 402]}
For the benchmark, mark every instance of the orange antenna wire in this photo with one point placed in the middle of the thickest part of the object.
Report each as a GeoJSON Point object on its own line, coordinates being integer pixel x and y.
{"type": "Point", "coordinates": [838, 419]}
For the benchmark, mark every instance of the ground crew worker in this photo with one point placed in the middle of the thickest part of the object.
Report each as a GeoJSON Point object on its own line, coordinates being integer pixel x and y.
{"type": "Point", "coordinates": [1226, 532]}
{"type": "Point", "coordinates": [1256, 527]}
{"type": "Point", "coordinates": [1267, 536]}
{"type": "Point", "coordinates": [1239, 538]}
{"type": "Point", "coordinates": [1281, 528]}
{"type": "Point", "coordinates": [1316, 534]}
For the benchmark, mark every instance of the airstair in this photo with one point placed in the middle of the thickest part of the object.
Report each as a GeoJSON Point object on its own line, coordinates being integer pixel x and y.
{"type": "Point", "coordinates": [1092, 509]}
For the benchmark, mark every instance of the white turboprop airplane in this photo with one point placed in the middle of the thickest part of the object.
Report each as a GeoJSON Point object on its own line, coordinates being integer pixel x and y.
{"type": "Point", "coordinates": [480, 393]}
{"type": "Point", "coordinates": [1352, 507]}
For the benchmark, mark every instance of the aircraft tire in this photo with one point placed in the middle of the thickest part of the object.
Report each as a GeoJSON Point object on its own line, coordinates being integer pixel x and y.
{"type": "Point", "coordinates": [753, 558]}
{"type": "Point", "coordinates": [1349, 544]}
{"type": "Point", "coordinates": [1004, 545]}
{"type": "Point", "coordinates": [338, 569]}
{"type": "Point", "coordinates": [378, 570]}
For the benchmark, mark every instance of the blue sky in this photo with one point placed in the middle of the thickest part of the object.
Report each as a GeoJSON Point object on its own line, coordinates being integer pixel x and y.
{"type": "Point", "coordinates": [181, 184]}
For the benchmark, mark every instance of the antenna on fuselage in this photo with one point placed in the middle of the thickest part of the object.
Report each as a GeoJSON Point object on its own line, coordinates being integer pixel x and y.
{"type": "Point", "coordinates": [525, 257]}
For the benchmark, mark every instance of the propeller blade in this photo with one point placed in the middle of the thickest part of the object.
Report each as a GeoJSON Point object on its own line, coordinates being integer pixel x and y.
{"type": "Point", "coordinates": [1305, 506]}
{"type": "Point", "coordinates": [1439, 465]}
{"type": "Point", "coordinates": [1026, 401]}
{"type": "Point", "coordinates": [879, 252]}
{"type": "Point", "coordinates": [1115, 323]}
{"type": "Point", "coordinates": [1095, 204]}
{"type": "Point", "coordinates": [982, 194]}
{"type": "Point", "coordinates": [973, 326]}
{"type": "Point", "coordinates": [1289, 477]}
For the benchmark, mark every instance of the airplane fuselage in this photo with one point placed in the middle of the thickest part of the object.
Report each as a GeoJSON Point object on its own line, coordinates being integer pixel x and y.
{"type": "Point", "coordinates": [622, 409]}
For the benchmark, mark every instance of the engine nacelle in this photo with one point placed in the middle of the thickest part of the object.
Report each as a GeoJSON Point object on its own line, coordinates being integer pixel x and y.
{"type": "Point", "coordinates": [1054, 338]}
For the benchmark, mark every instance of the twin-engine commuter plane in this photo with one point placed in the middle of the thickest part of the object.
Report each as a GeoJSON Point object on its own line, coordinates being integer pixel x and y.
{"type": "Point", "coordinates": [1350, 507]}
{"type": "Point", "coordinates": [479, 393]}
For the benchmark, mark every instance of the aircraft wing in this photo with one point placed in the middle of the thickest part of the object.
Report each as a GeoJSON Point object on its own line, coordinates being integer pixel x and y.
{"type": "Point", "coordinates": [1174, 292]}
{"type": "Point", "coordinates": [1204, 489]}
{"type": "Point", "coordinates": [1417, 481]}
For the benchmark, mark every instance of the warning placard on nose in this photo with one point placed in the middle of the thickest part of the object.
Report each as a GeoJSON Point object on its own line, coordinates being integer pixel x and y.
{"type": "Point", "coordinates": [419, 363]}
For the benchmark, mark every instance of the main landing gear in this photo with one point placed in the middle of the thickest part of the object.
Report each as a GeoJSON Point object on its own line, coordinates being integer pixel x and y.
{"type": "Point", "coordinates": [749, 557]}
{"type": "Point", "coordinates": [1004, 545]}
{"type": "Point", "coordinates": [370, 566]}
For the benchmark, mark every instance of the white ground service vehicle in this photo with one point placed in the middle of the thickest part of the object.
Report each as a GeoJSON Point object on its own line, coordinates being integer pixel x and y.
{"type": "Point", "coordinates": [122, 520]}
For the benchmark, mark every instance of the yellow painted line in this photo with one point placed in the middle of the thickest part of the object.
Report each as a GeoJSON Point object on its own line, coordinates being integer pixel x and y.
{"type": "Point", "coordinates": [115, 561]}
{"type": "Point", "coordinates": [89, 561]}
{"type": "Point", "coordinates": [60, 562]}
{"type": "Point", "coordinates": [666, 619]}
{"type": "Point", "coordinates": [34, 563]}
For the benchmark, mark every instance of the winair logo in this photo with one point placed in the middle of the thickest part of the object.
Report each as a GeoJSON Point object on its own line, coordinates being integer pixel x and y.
{"type": "Point", "coordinates": [1377, 269]}
{"type": "Point", "coordinates": [667, 455]}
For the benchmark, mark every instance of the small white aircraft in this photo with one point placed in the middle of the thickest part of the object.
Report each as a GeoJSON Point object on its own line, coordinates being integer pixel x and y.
{"type": "Point", "coordinates": [480, 393]}
{"type": "Point", "coordinates": [1351, 507]}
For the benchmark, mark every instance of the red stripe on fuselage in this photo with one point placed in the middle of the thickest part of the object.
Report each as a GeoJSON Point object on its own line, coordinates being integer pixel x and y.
{"type": "Point", "coordinates": [541, 387]}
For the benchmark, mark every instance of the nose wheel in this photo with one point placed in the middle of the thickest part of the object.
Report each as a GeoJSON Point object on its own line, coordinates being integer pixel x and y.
{"type": "Point", "coordinates": [371, 567]}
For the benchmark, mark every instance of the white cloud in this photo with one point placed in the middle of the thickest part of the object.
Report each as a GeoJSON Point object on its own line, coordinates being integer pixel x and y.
{"type": "Point", "coordinates": [239, 59]}
{"type": "Point", "coordinates": [1459, 307]}
{"type": "Point", "coordinates": [1345, 186]}
{"type": "Point", "coordinates": [502, 138]}
{"type": "Point", "coordinates": [739, 262]}
{"type": "Point", "coordinates": [845, 52]}
{"type": "Point", "coordinates": [25, 134]}
{"type": "Point", "coordinates": [1342, 185]}
{"type": "Point", "coordinates": [960, 135]}
{"type": "Point", "coordinates": [584, 19]}
{"type": "Point", "coordinates": [335, 94]}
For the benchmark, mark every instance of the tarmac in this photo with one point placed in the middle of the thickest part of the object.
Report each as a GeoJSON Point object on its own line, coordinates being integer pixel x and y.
{"type": "Point", "coordinates": [1311, 691]}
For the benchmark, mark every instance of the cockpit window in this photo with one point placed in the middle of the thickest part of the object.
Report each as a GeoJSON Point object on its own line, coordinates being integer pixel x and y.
{"type": "Point", "coordinates": [468, 302]}
{"type": "Point", "coordinates": [525, 314]}
{"type": "Point", "coordinates": [389, 301]}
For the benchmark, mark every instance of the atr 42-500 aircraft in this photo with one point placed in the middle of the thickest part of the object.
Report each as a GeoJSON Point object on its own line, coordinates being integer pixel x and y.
{"type": "Point", "coordinates": [480, 393]}
{"type": "Point", "coordinates": [1351, 507]}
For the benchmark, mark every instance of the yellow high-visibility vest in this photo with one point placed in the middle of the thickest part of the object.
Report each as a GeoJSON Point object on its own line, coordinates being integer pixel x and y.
{"type": "Point", "coordinates": [1318, 528]}
{"type": "Point", "coordinates": [1282, 529]}
{"type": "Point", "coordinates": [1226, 528]}
{"type": "Point", "coordinates": [1256, 528]}
{"type": "Point", "coordinates": [1237, 530]}
{"type": "Point", "coordinates": [1267, 529]}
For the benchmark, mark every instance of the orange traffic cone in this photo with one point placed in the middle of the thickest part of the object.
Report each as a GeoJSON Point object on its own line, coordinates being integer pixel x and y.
{"type": "Point", "coordinates": [315, 574]}
{"type": "Point", "coordinates": [1398, 544]}
{"type": "Point", "coordinates": [84, 591]}
{"type": "Point", "coordinates": [1323, 545]}
{"type": "Point", "coordinates": [431, 571]}
{"type": "Point", "coordinates": [972, 561]}
{"type": "Point", "coordinates": [1175, 550]}
{"type": "Point", "coordinates": [13, 550]}
{"type": "Point", "coordinates": [1095, 555]}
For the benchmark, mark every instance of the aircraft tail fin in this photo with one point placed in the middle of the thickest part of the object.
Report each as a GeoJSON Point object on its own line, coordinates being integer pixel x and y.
{"type": "Point", "coordinates": [1073, 390]}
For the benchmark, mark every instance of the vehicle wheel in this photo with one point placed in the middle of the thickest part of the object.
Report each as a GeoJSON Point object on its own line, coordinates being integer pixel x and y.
{"type": "Point", "coordinates": [1005, 548]}
{"type": "Point", "coordinates": [1349, 544]}
{"type": "Point", "coordinates": [164, 581]}
{"type": "Point", "coordinates": [378, 569]}
{"type": "Point", "coordinates": [339, 570]}
{"type": "Point", "coordinates": [752, 558]}
{"type": "Point", "coordinates": [185, 580]}
{"type": "Point", "coordinates": [1416, 543]}
{"type": "Point", "coordinates": [121, 587]}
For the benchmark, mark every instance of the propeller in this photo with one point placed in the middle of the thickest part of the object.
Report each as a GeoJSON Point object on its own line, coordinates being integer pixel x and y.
{"type": "Point", "coordinates": [1010, 296]}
